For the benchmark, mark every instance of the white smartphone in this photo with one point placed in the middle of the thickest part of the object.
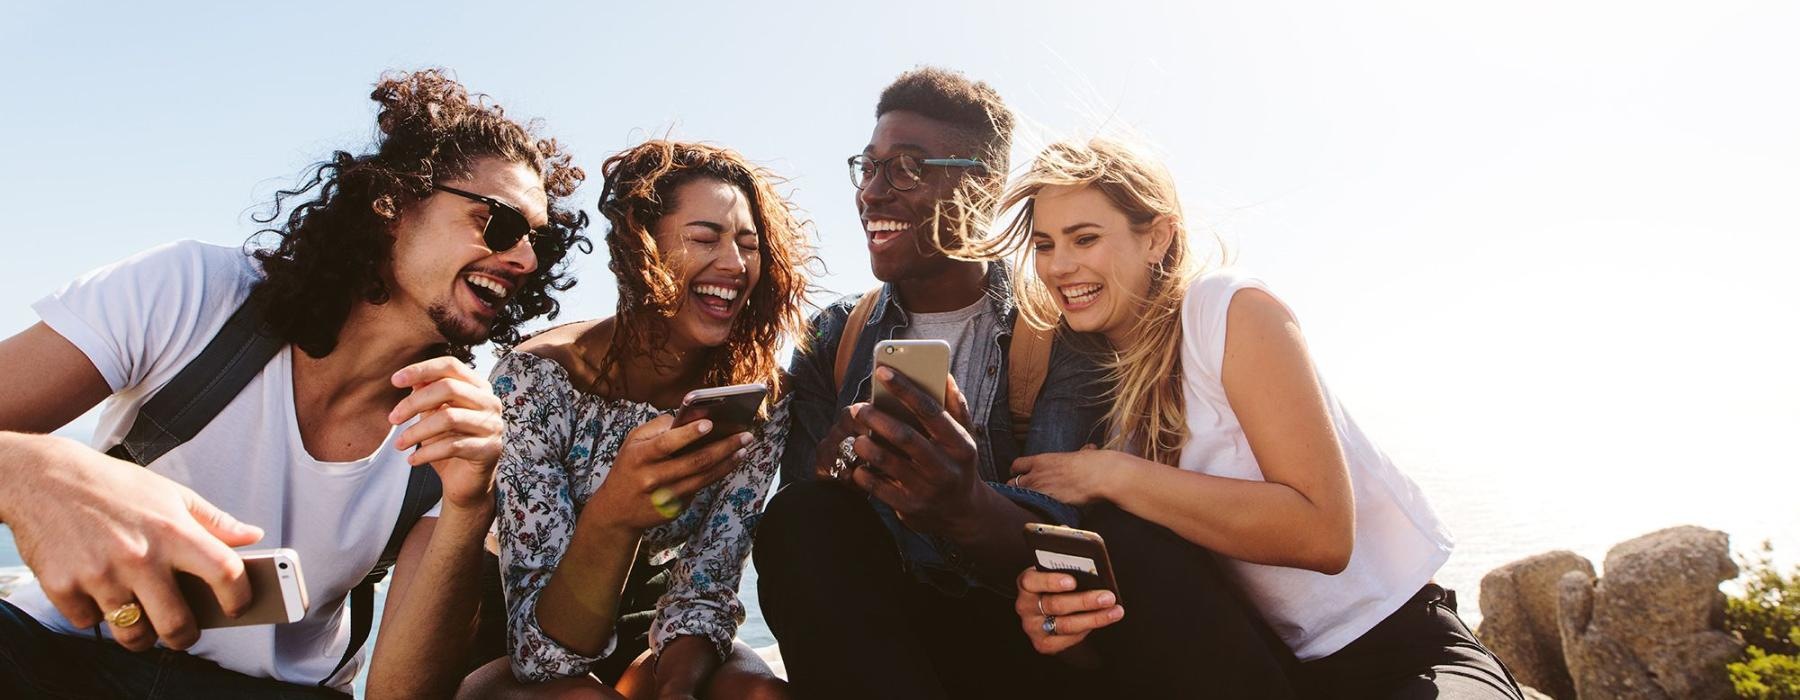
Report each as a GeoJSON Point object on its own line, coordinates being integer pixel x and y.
{"type": "Point", "coordinates": [277, 592]}
{"type": "Point", "coordinates": [925, 362]}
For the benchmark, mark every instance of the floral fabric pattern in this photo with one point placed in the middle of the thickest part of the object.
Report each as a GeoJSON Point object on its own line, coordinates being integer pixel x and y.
{"type": "Point", "coordinates": [559, 447]}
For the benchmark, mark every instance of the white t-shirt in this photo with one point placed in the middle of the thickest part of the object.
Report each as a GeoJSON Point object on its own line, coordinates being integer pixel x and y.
{"type": "Point", "coordinates": [140, 321]}
{"type": "Point", "coordinates": [1400, 543]}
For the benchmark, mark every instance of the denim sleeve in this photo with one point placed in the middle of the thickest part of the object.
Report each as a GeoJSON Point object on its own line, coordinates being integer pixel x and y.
{"type": "Point", "coordinates": [812, 406]}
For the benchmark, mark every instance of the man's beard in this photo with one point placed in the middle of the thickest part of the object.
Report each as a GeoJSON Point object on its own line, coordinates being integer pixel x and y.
{"type": "Point", "coordinates": [456, 329]}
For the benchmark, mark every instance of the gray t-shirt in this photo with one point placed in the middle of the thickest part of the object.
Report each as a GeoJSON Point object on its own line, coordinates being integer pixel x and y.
{"type": "Point", "coordinates": [973, 360]}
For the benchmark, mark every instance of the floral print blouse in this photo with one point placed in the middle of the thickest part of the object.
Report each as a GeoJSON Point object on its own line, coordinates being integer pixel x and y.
{"type": "Point", "coordinates": [560, 444]}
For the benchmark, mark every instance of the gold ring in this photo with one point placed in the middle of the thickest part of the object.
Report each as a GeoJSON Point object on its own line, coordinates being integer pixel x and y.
{"type": "Point", "coordinates": [665, 503]}
{"type": "Point", "coordinates": [125, 616]}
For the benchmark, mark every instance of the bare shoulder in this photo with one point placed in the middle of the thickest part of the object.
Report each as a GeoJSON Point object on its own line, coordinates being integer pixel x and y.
{"type": "Point", "coordinates": [1258, 312]}
{"type": "Point", "coordinates": [569, 345]}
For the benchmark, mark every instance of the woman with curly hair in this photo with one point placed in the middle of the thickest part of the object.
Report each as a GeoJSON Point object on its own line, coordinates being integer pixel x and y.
{"type": "Point", "coordinates": [711, 264]}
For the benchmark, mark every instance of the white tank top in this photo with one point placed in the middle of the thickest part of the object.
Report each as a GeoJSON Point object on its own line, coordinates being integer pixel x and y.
{"type": "Point", "coordinates": [1400, 543]}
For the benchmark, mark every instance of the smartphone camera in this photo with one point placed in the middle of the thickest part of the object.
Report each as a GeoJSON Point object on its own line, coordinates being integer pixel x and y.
{"type": "Point", "coordinates": [282, 566]}
{"type": "Point", "coordinates": [891, 349]}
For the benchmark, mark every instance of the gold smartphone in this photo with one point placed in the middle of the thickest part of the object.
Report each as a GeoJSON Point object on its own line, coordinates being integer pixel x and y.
{"type": "Point", "coordinates": [925, 362]}
{"type": "Point", "coordinates": [277, 592]}
{"type": "Point", "coordinates": [1079, 553]}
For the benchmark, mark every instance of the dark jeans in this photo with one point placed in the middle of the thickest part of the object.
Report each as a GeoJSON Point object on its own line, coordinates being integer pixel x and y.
{"type": "Point", "coordinates": [1423, 650]}
{"type": "Point", "coordinates": [1186, 632]}
{"type": "Point", "coordinates": [38, 663]}
{"type": "Point", "coordinates": [854, 624]}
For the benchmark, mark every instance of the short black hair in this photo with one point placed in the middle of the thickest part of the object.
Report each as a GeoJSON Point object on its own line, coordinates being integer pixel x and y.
{"type": "Point", "coordinates": [951, 97]}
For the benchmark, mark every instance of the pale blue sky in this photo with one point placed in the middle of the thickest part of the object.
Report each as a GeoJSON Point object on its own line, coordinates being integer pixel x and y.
{"type": "Point", "coordinates": [1542, 249]}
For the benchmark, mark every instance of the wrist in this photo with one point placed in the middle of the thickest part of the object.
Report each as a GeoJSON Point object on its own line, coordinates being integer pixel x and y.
{"type": "Point", "coordinates": [968, 521]}
{"type": "Point", "coordinates": [1116, 472]}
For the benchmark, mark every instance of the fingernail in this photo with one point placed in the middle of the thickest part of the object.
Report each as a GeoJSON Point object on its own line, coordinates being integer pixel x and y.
{"type": "Point", "coordinates": [741, 453]}
{"type": "Point", "coordinates": [399, 377]}
{"type": "Point", "coordinates": [1115, 613]}
{"type": "Point", "coordinates": [744, 439]}
{"type": "Point", "coordinates": [1065, 583]}
{"type": "Point", "coordinates": [704, 426]}
{"type": "Point", "coordinates": [1106, 598]}
{"type": "Point", "coordinates": [883, 373]}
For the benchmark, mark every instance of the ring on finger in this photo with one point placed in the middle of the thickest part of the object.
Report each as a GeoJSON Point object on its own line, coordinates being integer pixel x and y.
{"type": "Point", "coordinates": [846, 457]}
{"type": "Point", "coordinates": [1040, 602]}
{"type": "Point", "coordinates": [1050, 625]}
{"type": "Point", "coordinates": [125, 615]}
{"type": "Point", "coordinates": [665, 502]}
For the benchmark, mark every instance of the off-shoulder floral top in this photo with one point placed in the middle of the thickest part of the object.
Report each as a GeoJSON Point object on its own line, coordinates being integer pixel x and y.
{"type": "Point", "coordinates": [560, 444]}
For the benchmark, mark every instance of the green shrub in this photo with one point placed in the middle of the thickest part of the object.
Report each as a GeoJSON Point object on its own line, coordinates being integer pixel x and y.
{"type": "Point", "coordinates": [1767, 616]}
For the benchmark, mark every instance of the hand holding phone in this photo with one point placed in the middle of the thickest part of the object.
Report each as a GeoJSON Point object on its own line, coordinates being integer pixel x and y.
{"type": "Point", "coordinates": [732, 409]}
{"type": "Point", "coordinates": [1054, 616]}
{"type": "Point", "coordinates": [277, 592]}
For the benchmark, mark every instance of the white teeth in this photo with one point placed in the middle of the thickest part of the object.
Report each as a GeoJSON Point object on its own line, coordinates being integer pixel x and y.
{"type": "Point", "coordinates": [882, 226]}
{"type": "Point", "coordinates": [487, 284]}
{"type": "Point", "coordinates": [1078, 294]}
{"type": "Point", "coordinates": [714, 290]}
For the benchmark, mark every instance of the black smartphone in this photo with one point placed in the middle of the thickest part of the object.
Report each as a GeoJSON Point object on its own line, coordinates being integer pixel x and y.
{"type": "Point", "coordinates": [1080, 553]}
{"type": "Point", "coordinates": [732, 409]}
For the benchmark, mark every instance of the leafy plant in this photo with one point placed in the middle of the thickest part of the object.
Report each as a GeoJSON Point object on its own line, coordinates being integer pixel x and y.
{"type": "Point", "coordinates": [1767, 616]}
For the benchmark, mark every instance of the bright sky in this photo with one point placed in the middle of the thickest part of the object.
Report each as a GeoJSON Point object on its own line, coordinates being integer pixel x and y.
{"type": "Point", "coordinates": [1542, 249]}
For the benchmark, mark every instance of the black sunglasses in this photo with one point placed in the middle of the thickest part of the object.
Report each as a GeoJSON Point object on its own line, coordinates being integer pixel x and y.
{"type": "Point", "coordinates": [505, 225]}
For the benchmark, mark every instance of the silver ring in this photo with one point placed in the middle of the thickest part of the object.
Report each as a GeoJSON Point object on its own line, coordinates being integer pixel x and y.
{"type": "Point", "coordinates": [846, 456]}
{"type": "Point", "coordinates": [1040, 602]}
{"type": "Point", "coordinates": [1050, 625]}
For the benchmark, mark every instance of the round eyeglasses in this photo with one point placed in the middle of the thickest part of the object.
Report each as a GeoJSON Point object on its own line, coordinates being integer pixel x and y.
{"type": "Point", "coordinates": [904, 171]}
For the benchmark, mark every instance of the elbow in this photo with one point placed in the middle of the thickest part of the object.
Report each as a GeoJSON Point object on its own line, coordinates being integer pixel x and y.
{"type": "Point", "coordinates": [1331, 554]}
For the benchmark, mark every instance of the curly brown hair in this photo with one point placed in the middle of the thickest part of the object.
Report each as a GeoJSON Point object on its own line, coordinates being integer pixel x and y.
{"type": "Point", "coordinates": [640, 188]}
{"type": "Point", "coordinates": [334, 250]}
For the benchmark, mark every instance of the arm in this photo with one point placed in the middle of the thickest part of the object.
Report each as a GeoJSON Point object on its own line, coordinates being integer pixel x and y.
{"type": "Point", "coordinates": [99, 532]}
{"type": "Point", "coordinates": [1301, 515]}
{"type": "Point", "coordinates": [813, 403]}
{"type": "Point", "coordinates": [698, 616]}
{"type": "Point", "coordinates": [426, 629]}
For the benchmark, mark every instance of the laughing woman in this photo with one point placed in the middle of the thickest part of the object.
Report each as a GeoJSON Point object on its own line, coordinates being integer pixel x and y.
{"type": "Point", "coordinates": [1225, 438]}
{"type": "Point", "coordinates": [711, 268]}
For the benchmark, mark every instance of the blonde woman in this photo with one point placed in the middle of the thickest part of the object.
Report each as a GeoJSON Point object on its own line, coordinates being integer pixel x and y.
{"type": "Point", "coordinates": [1224, 437]}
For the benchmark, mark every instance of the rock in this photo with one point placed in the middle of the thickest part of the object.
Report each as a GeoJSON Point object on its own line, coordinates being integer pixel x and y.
{"type": "Point", "coordinates": [1518, 610]}
{"type": "Point", "coordinates": [1652, 627]}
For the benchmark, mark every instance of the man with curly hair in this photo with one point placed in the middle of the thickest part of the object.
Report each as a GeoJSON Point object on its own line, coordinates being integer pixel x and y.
{"type": "Point", "coordinates": [342, 350]}
{"type": "Point", "coordinates": [886, 562]}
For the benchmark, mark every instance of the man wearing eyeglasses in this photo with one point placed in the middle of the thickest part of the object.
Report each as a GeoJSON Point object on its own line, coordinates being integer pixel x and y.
{"type": "Point", "coordinates": [319, 387]}
{"type": "Point", "coordinates": [886, 562]}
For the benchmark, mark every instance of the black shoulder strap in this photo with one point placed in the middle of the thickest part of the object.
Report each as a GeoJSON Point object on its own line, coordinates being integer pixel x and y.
{"type": "Point", "coordinates": [181, 408]}
{"type": "Point", "coordinates": [423, 489]}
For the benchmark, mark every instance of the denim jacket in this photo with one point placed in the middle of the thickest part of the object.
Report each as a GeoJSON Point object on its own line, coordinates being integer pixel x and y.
{"type": "Point", "coordinates": [1065, 417]}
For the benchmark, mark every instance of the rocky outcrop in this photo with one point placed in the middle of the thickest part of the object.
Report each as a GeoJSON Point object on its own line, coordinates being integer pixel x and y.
{"type": "Point", "coordinates": [1652, 627]}
{"type": "Point", "coordinates": [1518, 610]}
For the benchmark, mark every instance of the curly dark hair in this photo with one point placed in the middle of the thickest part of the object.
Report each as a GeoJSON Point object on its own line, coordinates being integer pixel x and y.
{"type": "Point", "coordinates": [640, 188]}
{"type": "Point", "coordinates": [334, 250]}
{"type": "Point", "coordinates": [972, 106]}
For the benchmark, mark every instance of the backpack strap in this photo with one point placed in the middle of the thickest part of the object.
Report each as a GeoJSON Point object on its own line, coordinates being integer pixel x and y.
{"type": "Point", "coordinates": [853, 327]}
{"type": "Point", "coordinates": [1027, 361]}
{"type": "Point", "coordinates": [181, 408]}
{"type": "Point", "coordinates": [423, 489]}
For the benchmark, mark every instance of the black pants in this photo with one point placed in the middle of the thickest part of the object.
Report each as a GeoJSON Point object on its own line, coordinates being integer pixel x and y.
{"type": "Point", "coordinates": [1187, 632]}
{"type": "Point", "coordinates": [637, 609]}
{"type": "Point", "coordinates": [853, 624]}
{"type": "Point", "coordinates": [38, 663]}
{"type": "Point", "coordinates": [1423, 650]}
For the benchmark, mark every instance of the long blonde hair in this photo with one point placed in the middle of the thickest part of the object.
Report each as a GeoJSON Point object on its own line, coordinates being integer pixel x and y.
{"type": "Point", "coordinates": [1146, 416]}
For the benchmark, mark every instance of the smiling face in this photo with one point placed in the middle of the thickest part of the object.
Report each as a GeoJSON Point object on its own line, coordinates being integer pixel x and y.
{"type": "Point", "coordinates": [442, 266]}
{"type": "Point", "coordinates": [1096, 265]}
{"type": "Point", "coordinates": [898, 224]}
{"type": "Point", "coordinates": [710, 241]}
